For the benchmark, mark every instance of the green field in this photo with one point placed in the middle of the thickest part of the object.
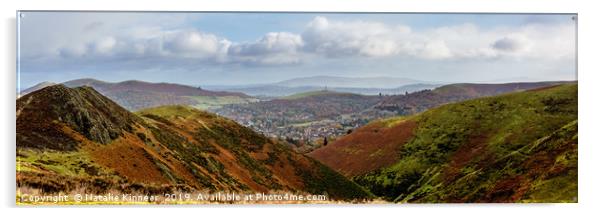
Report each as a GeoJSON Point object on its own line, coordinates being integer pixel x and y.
{"type": "Point", "coordinates": [213, 102]}
{"type": "Point", "coordinates": [309, 94]}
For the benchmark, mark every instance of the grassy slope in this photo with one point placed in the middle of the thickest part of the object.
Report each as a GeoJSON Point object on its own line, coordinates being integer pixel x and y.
{"type": "Point", "coordinates": [485, 150]}
{"type": "Point", "coordinates": [420, 101]}
{"type": "Point", "coordinates": [136, 95]}
{"type": "Point", "coordinates": [65, 163]}
{"type": "Point", "coordinates": [184, 149]}
{"type": "Point", "coordinates": [369, 148]}
{"type": "Point", "coordinates": [311, 93]}
{"type": "Point", "coordinates": [209, 102]}
{"type": "Point", "coordinates": [269, 164]}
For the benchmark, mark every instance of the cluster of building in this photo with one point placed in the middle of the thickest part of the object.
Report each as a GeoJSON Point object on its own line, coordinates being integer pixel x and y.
{"type": "Point", "coordinates": [301, 128]}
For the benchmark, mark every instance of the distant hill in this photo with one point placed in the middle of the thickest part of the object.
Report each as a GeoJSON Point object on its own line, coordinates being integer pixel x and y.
{"type": "Point", "coordinates": [134, 85]}
{"type": "Point", "coordinates": [313, 93]}
{"type": "Point", "coordinates": [75, 139]}
{"type": "Point", "coordinates": [279, 91]}
{"type": "Point", "coordinates": [313, 105]}
{"type": "Point", "coordinates": [135, 95]}
{"type": "Point", "coordinates": [348, 82]}
{"type": "Point", "coordinates": [36, 87]}
{"type": "Point", "coordinates": [366, 86]}
{"type": "Point", "coordinates": [426, 99]}
{"type": "Point", "coordinates": [410, 88]}
{"type": "Point", "coordinates": [516, 147]}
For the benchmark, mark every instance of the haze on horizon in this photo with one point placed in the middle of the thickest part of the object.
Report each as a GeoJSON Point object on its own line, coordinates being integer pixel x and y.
{"type": "Point", "coordinates": [252, 48]}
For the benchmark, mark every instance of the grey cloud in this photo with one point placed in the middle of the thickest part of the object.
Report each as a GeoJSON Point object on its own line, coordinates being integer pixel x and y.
{"type": "Point", "coordinates": [272, 48]}
{"type": "Point", "coordinates": [271, 43]}
{"type": "Point", "coordinates": [511, 44]}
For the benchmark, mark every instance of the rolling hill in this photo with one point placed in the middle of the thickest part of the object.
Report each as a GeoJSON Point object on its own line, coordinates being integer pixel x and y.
{"type": "Point", "coordinates": [305, 119]}
{"type": "Point", "coordinates": [36, 87]}
{"type": "Point", "coordinates": [136, 95]}
{"type": "Point", "coordinates": [425, 99]}
{"type": "Point", "coordinates": [348, 82]}
{"type": "Point", "coordinates": [77, 139]}
{"type": "Point", "coordinates": [280, 91]}
{"type": "Point", "coordinates": [516, 147]}
{"type": "Point", "coordinates": [355, 85]}
{"type": "Point", "coordinates": [318, 93]}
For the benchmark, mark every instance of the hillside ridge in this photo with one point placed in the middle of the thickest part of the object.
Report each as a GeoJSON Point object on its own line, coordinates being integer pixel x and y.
{"type": "Point", "coordinates": [168, 148]}
{"type": "Point", "coordinates": [457, 152]}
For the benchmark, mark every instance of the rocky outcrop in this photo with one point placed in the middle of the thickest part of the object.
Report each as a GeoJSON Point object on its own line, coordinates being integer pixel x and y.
{"type": "Point", "coordinates": [44, 114]}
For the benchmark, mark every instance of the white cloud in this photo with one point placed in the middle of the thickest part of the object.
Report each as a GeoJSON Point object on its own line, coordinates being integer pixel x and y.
{"type": "Point", "coordinates": [321, 37]}
{"type": "Point", "coordinates": [104, 46]}
{"type": "Point", "coordinates": [464, 41]}
{"type": "Point", "coordinates": [272, 48]}
{"type": "Point", "coordinates": [192, 43]}
{"type": "Point", "coordinates": [435, 50]}
{"type": "Point", "coordinates": [188, 43]}
{"type": "Point", "coordinates": [336, 39]}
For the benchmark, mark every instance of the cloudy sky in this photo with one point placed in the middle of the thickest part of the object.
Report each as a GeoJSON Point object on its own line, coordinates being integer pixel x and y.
{"type": "Point", "coordinates": [246, 48]}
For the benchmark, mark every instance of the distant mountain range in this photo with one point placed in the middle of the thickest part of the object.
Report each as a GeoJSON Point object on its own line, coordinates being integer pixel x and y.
{"type": "Point", "coordinates": [135, 95]}
{"type": "Point", "coordinates": [366, 86]}
{"type": "Point", "coordinates": [76, 139]}
{"type": "Point", "coordinates": [348, 82]}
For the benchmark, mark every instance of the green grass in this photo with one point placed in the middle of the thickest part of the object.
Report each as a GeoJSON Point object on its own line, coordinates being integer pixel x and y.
{"type": "Point", "coordinates": [391, 122]}
{"type": "Point", "coordinates": [212, 102]}
{"type": "Point", "coordinates": [169, 111]}
{"type": "Point", "coordinates": [76, 164]}
{"type": "Point", "coordinates": [309, 94]}
{"type": "Point", "coordinates": [324, 180]}
{"type": "Point", "coordinates": [505, 124]}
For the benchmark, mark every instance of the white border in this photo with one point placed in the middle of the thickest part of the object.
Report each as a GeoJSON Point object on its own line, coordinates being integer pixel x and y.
{"type": "Point", "coordinates": [589, 103]}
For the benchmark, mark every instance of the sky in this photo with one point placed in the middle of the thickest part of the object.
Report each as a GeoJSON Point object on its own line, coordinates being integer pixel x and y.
{"type": "Point", "coordinates": [250, 48]}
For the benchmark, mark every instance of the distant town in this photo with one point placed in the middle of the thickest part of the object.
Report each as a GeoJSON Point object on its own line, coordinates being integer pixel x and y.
{"type": "Point", "coordinates": [309, 121]}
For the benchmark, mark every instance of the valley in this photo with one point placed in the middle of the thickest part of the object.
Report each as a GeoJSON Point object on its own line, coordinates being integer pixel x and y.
{"type": "Point", "coordinates": [307, 119]}
{"type": "Point", "coordinates": [517, 147]}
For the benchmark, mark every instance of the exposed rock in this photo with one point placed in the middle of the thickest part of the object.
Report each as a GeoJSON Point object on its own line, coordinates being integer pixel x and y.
{"type": "Point", "coordinates": [44, 113]}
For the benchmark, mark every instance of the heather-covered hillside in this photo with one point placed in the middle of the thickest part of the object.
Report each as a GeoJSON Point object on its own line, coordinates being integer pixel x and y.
{"type": "Point", "coordinates": [518, 147]}
{"type": "Point", "coordinates": [77, 139]}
